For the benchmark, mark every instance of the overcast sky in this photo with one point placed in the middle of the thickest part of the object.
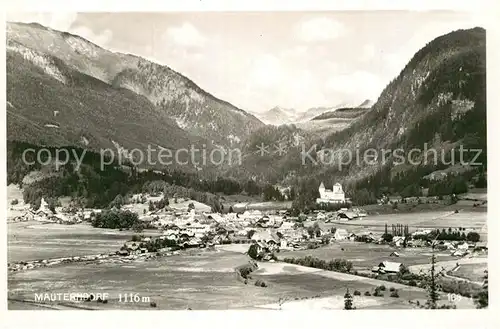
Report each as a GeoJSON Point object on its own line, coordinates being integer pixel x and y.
{"type": "Point", "coordinates": [260, 60]}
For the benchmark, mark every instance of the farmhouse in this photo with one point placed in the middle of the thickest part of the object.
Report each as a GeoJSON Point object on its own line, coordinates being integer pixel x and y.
{"type": "Point", "coordinates": [340, 234]}
{"type": "Point", "coordinates": [387, 267]}
{"type": "Point", "coordinates": [335, 195]}
{"type": "Point", "coordinates": [265, 236]}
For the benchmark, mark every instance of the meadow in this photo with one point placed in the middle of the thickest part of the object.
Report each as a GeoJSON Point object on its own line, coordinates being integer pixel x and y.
{"type": "Point", "coordinates": [476, 220]}
{"type": "Point", "coordinates": [366, 255]}
{"type": "Point", "coordinates": [202, 280]}
{"type": "Point", "coordinates": [36, 240]}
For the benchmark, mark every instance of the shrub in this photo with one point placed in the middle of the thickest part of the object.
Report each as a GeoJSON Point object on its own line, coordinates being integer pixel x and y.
{"type": "Point", "coordinates": [392, 289]}
{"type": "Point", "coordinates": [367, 293]}
{"type": "Point", "coordinates": [395, 294]}
{"type": "Point", "coordinates": [252, 251]}
{"type": "Point", "coordinates": [14, 202]}
{"type": "Point", "coordinates": [260, 283]}
{"type": "Point", "coordinates": [152, 304]}
{"type": "Point", "coordinates": [382, 288]}
{"type": "Point", "coordinates": [357, 293]}
{"type": "Point", "coordinates": [412, 283]}
{"type": "Point", "coordinates": [378, 292]}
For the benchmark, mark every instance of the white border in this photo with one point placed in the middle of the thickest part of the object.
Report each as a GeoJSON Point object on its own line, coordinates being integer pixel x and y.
{"type": "Point", "coordinates": [251, 319]}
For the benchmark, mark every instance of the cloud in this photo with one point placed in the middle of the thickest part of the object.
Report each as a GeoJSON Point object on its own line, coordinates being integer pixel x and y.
{"type": "Point", "coordinates": [186, 35]}
{"type": "Point", "coordinates": [102, 39]}
{"type": "Point", "coordinates": [62, 21]}
{"type": "Point", "coordinates": [357, 83]}
{"type": "Point", "coordinates": [266, 71]}
{"type": "Point", "coordinates": [320, 29]}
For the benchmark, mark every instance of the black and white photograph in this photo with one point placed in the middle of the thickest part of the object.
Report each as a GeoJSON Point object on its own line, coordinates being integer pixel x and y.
{"type": "Point", "coordinates": [246, 160]}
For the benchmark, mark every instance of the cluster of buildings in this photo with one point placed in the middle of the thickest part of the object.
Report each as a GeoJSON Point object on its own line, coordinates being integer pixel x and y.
{"type": "Point", "coordinates": [44, 214]}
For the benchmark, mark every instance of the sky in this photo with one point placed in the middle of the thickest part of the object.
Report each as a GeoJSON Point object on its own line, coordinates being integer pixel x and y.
{"type": "Point", "coordinates": [258, 60]}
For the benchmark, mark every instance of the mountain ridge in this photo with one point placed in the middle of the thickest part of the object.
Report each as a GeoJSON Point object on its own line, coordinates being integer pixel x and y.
{"type": "Point", "coordinates": [106, 65]}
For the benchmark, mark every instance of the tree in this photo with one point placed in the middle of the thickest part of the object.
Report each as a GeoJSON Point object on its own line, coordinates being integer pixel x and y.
{"type": "Point", "coordinates": [190, 206]}
{"type": "Point", "coordinates": [387, 237]}
{"type": "Point", "coordinates": [230, 209]}
{"type": "Point", "coordinates": [432, 285]}
{"type": "Point", "coordinates": [473, 236]}
{"type": "Point", "coordinates": [348, 301]}
{"type": "Point", "coordinates": [117, 202]}
{"type": "Point", "coordinates": [250, 233]}
{"type": "Point", "coordinates": [481, 299]}
{"type": "Point", "coordinates": [253, 251]}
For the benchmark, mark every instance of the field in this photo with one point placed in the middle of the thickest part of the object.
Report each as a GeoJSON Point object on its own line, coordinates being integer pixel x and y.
{"type": "Point", "coordinates": [35, 240]}
{"type": "Point", "coordinates": [366, 255]}
{"type": "Point", "coordinates": [436, 219]}
{"type": "Point", "coordinates": [203, 280]}
{"type": "Point", "coordinates": [471, 272]}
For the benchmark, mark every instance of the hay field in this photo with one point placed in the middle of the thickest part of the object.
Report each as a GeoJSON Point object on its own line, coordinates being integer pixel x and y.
{"type": "Point", "coordinates": [202, 281]}
{"type": "Point", "coordinates": [366, 255]}
{"type": "Point", "coordinates": [35, 240]}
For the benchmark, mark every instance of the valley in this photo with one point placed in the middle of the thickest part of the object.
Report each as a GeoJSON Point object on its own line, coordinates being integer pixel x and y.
{"type": "Point", "coordinates": [259, 231]}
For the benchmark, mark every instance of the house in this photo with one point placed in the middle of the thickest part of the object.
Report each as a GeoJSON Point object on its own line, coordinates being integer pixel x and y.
{"type": "Point", "coordinates": [346, 215]}
{"type": "Point", "coordinates": [459, 253]}
{"type": "Point", "coordinates": [335, 195]}
{"type": "Point", "coordinates": [398, 240]}
{"type": "Point", "coordinates": [394, 254]}
{"type": "Point", "coordinates": [340, 234]}
{"type": "Point", "coordinates": [387, 267]}
{"type": "Point", "coordinates": [132, 245]}
{"type": "Point", "coordinates": [352, 236]}
{"type": "Point", "coordinates": [265, 236]}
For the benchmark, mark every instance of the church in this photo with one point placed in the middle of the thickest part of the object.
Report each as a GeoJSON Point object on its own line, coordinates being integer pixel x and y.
{"type": "Point", "coordinates": [335, 195]}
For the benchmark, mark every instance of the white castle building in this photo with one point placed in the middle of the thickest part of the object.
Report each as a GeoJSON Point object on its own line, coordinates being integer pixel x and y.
{"type": "Point", "coordinates": [335, 195]}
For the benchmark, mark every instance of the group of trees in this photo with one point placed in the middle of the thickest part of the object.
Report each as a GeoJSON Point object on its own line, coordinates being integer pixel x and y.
{"type": "Point", "coordinates": [116, 219]}
{"type": "Point", "coordinates": [337, 265]}
{"type": "Point", "coordinates": [448, 186]}
{"type": "Point", "coordinates": [157, 205]}
{"type": "Point", "coordinates": [314, 230]}
{"type": "Point", "coordinates": [272, 193]}
{"type": "Point", "coordinates": [99, 187]}
{"type": "Point", "coordinates": [453, 235]}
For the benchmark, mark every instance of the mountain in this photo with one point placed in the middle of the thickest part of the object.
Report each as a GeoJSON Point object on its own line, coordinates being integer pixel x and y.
{"type": "Point", "coordinates": [439, 98]}
{"type": "Point", "coordinates": [311, 113]}
{"type": "Point", "coordinates": [50, 103]}
{"type": "Point", "coordinates": [278, 116]}
{"type": "Point", "coordinates": [342, 113]}
{"type": "Point", "coordinates": [171, 94]}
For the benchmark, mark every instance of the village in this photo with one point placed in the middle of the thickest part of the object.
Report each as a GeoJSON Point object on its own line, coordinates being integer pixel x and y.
{"type": "Point", "coordinates": [184, 224]}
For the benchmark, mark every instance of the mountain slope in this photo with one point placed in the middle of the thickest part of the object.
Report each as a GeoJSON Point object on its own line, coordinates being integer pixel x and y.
{"type": "Point", "coordinates": [439, 98]}
{"type": "Point", "coordinates": [49, 103]}
{"type": "Point", "coordinates": [193, 109]}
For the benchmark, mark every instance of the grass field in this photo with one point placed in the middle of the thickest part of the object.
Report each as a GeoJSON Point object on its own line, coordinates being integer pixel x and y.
{"type": "Point", "coordinates": [36, 240]}
{"type": "Point", "coordinates": [435, 219]}
{"type": "Point", "coordinates": [203, 280]}
{"type": "Point", "coordinates": [366, 255]}
{"type": "Point", "coordinates": [472, 272]}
